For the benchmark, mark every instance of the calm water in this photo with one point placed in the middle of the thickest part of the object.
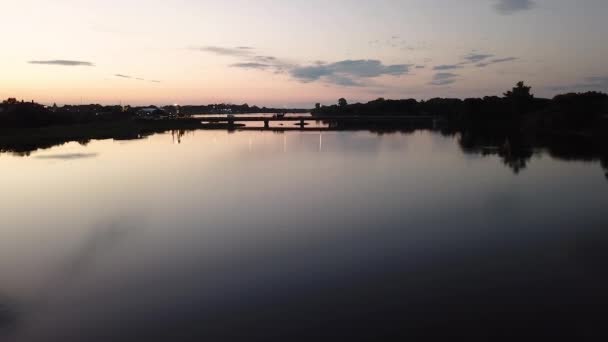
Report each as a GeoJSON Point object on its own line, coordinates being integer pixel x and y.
{"type": "Point", "coordinates": [264, 236]}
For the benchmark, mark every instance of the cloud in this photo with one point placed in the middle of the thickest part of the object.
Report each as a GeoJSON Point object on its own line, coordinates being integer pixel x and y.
{"type": "Point", "coordinates": [477, 57]}
{"type": "Point", "coordinates": [502, 60]}
{"type": "Point", "coordinates": [442, 82]}
{"type": "Point", "coordinates": [506, 7]}
{"type": "Point", "coordinates": [263, 63]}
{"type": "Point", "coordinates": [347, 72]}
{"type": "Point", "coordinates": [496, 61]}
{"type": "Point", "coordinates": [444, 75]}
{"type": "Point", "coordinates": [251, 65]}
{"type": "Point", "coordinates": [396, 42]}
{"type": "Point", "coordinates": [63, 62]}
{"type": "Point", "coordinates": [224, 51]}
{"type": "Point", "coordinates": [447, 67]}
{"type": "Point", "coordinates": [69, 156]}
{"type": "Point", "coordinates": [247, 56]}
{"type": "Point", "coordinates": [135, 78]}
{"type": "Point", "coordinates": [588, 83]}
{"type": "Point", "coordinates": [343, 81]}
{"type": "Point", "coordinates": [443, 78]}
{"type": "Point", "coordinates": [266, 59]}
{"type": "Point", "coordinates": [419, 66]}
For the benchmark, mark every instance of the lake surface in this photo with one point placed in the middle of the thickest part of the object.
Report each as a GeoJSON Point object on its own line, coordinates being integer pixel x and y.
{"type": "Point", "coordinates": [218, 236]}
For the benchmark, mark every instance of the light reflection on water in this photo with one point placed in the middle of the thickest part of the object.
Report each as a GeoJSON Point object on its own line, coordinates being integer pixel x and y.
{"type": "Point", "coordinates": [247, 235]}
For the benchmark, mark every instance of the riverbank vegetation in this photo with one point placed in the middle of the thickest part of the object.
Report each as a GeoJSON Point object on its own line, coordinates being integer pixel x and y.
{"type": "Point", "coordinates": [517, 106]}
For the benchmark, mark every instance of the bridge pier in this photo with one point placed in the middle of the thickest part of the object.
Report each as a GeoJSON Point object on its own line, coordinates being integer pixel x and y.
{"type": "Point", "coordinates": [302, 123]}
{"type": "Point", "coordinates": [266, 124]}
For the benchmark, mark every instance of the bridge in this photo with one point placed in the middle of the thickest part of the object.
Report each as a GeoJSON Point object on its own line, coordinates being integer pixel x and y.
{"type": "Point", "coordinates": [329, 119]}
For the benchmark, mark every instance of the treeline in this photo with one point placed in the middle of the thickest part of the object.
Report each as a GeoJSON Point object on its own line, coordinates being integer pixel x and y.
{"type": "Point", "coordinates": [14, 114]}
{"type": "Point", "coordinates": [233, 109]}
{"type": "Point", "coordinates": [573, 109]}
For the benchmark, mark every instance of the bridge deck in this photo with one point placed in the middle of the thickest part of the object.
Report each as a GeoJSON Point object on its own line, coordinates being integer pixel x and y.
{"type": "Point", "coordinates": [312, 118]}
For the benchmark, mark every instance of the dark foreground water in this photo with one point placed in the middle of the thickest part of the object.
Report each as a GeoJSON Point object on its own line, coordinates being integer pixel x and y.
{"type": "Point", "coordinates": [299, 236]}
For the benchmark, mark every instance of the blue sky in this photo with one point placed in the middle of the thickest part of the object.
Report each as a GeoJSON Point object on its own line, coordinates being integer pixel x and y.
{"type": "Point", "coordinates": [286, 53]}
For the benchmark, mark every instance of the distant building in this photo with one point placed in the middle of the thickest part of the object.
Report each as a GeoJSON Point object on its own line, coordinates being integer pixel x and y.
{"type": "Point", "coordinates": [152, 112]}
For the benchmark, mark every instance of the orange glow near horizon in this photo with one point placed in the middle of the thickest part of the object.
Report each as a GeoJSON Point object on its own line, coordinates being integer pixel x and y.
{"type": "Point", "coordinates": [294, 54]}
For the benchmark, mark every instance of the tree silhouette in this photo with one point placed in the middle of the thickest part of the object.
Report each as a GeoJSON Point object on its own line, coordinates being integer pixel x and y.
{"type": "Point", "coordinates": [520, 98]}
{"type": "Point", "coordinates": [520, 92]}
{"type": "Point", "coordinates": [342, 102]}
{"type": "Point", "coordinates": [10, 101]}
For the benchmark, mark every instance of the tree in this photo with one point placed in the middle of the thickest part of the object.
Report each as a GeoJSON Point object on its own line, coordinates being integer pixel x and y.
{"type": "Point", "coordinates": [520, 92]}
{"type": "Point", "coordinates": [318, 106]}
{"type": "Point", "coordinates": [342, 102]}
{"type": "Point", "coordinates": [520, 99]}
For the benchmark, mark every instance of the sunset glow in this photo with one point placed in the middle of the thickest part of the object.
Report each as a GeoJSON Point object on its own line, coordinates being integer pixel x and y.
{"type": "Point", "coordinates": [297, 53]}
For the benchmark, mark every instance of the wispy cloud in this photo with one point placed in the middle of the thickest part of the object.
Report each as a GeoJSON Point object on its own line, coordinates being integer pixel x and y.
{"type": "Point", "coordinates": [477, 57]}
{"type": "Point", "coordinates": [247, 56]}
{"type": "Point", "coordinates": [267, 59]}
{"type": "Point", "coordinates": [496, 61]}
{"type": "Point", "coordinates": [135, 78]}
{"type": "Point", "coordinates": [448, 67]}
{"type": "Point", "coordinates": [68, 156]}
{"type": "Point", "coordinates": [480, 60]}
{"type": "Point", "coordinates": [238, 51]}
{"type": "Point", "coordinates": [396, 42]}
{"type": "Point", "coordinates": [506, 7]}
{"type": "Point", "coordinates": [251, 65]}
{"type": "Point", "coordinates": [444, 78]}
{"type": "Point", "coordinates": [588, 83]}
{"type": "Point", "coordinates": [502, 60]}
{"type": "Point", "coordinates": [63, 62]}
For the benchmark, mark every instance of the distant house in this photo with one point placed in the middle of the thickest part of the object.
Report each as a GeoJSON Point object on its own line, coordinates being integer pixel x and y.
{"type": "Point", "coordinates": [152, 112]}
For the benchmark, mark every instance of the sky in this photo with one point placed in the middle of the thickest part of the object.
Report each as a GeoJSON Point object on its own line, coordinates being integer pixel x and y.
{"type": "Point", "coordinates": [299, 52]}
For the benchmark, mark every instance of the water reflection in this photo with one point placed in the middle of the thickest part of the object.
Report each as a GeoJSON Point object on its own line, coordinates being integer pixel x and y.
{"type": "Point", "coordinates": [515, 149]}
{"type": "Point", "coordinates": [97, 245]}
{"type": "Point", "coordinates": [39, 309]}
{"type": "Point", "coordinates": [8, 317]}
{"type": "Point", "coordinates": [381, 236]}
